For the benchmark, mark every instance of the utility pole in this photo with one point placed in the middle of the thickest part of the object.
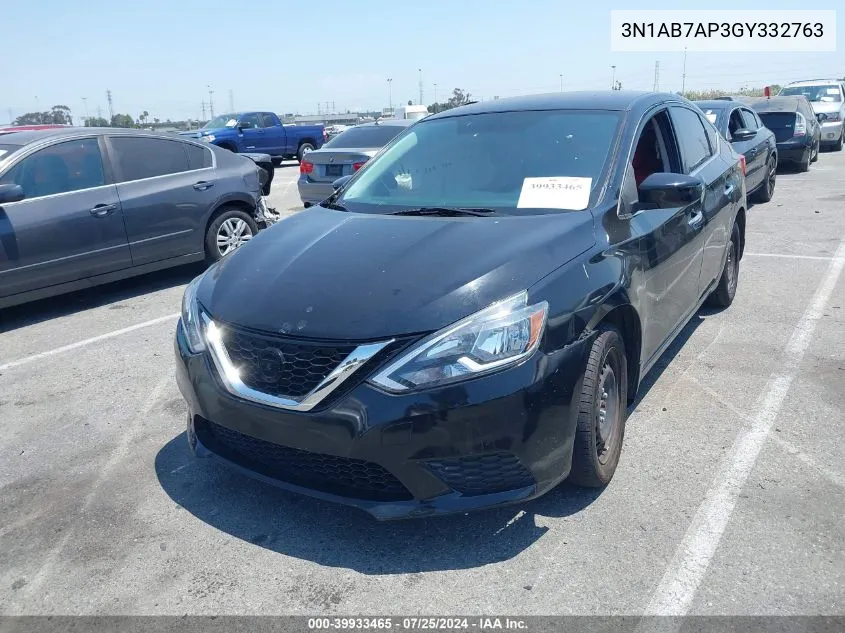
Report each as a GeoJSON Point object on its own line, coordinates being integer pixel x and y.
{"type": "Point", "coordinates": [421, 86]}
{"type": "Point", "coordinates": [561, 82]}
{"type": "Point", "coordinates": [203, 110]}
{"type": "Point", "coordinates": [85, 101]}
{"type": "Point", "coordinates": [612, 77]}
{"type": "Point", "coordinates": [684, 76]}
{"type": "Point", "coordinates": [231, 101]}
{"type": "Point", "coordinates": [390, 93]}
{"type": "Point", "coordinates": [111, 106]}
{"type": "Point", "coordinates": [100, 113]}
{"type": "Point", "coordinates": [656, 75]}
{"type": "Point", "coordinates": [210, 101]}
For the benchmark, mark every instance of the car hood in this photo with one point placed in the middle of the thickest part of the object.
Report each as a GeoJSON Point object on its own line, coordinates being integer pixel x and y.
{"type": "Point", "coordinates": [337, 275]}
{"type": "Point", "coordinates": [825, 106]}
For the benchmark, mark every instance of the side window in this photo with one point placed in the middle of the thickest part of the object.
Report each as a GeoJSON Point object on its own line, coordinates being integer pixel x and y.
{"type": "Point", "coordinates": [139, 157]}
{"type": "Point", "coordinates": [267, 120]}
{"type": "Point", "coordinates": [750, 121]}
{"type": "Point", "coordinates": [692, 136]}
{"type": "Point", "coordinates": [198, 157]}
{"type": "Point", "coordinates": [253, 119]}
{"type": "Point", "coordinates": [735, 122]}
{"type": "Point", "coordinates": [654, 152]}
{"type": "Point", "coordinates": [59, 168]}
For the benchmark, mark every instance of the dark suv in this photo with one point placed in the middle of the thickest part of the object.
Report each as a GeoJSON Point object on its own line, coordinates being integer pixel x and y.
{"type": "Point", "coordinates": [83, 206]}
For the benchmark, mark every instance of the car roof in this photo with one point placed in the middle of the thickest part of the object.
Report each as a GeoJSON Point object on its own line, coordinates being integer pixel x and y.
{"type": "Point", "coordinates": [774, 104]}
{"type": "Point", "coordinates": [614, 100]}
{"type": "Point", "coordinates": [812, 82]}
{"type": "Point", "coordinates": [383, 122]}
{"type": "Point", "coordinates": [33, 136]}
{"type": "Point", "coordinates": [716, 104]}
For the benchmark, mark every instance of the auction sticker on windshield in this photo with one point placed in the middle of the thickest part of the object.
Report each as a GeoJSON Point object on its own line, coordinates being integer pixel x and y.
{"type": "Point", "coordinates": [711, 116]}
{"type": "Point", "coordinates": [556, 192]}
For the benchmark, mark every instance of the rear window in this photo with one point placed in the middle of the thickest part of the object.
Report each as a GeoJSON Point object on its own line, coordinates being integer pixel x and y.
{"type": "Point", "coordinates": [362, 137]}
{"type": "Point", "coordinates": [777, 120]}
{"type": "Point", "coordinates": [198, 157]}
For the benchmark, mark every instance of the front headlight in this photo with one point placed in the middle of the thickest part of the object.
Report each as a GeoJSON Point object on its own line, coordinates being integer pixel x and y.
{"type": "Point", "coordinates": [209, 138]}
{"type": "Point", "coordinates": [191, 317]}
{"type": "Point", "coordinates": [498, 336]}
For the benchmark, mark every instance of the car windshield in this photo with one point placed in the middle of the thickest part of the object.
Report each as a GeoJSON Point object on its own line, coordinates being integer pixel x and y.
{"type": "Point", "coordinates": [822, 92]}
{"type": "Point", "coordinates": [224, 120]}
{"type": "Point", "coordinates": [365, 136]}
{"type": "Point", "coordinates": [512, 162]}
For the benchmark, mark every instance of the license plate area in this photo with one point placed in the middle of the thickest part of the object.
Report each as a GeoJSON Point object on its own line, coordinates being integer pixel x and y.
{"type": "Point", "coordinates": [334, 170]}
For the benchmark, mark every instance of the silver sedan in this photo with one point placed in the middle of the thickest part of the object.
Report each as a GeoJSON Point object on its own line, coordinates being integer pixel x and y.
{"type": "Point", "coordinates": [343, 155]}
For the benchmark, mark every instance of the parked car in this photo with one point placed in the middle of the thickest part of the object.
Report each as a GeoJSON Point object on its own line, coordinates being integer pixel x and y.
{"type": "Point", "coordinates": [334, 130]}
{"type": "Point", "coordinates": [343, 155]}
{"type": "Point", "coordinates": [85, 206]}
{"type": "Point", "coordinates": [797, 132]}
{"type": "Point", "coordinates": [462, 325]}
{"type": "Point", "coordinates": [827, 98]}
{"type": "Point", "coordinates": [742, 128]}
{"type": "Point", "coordinates": [260, 132]}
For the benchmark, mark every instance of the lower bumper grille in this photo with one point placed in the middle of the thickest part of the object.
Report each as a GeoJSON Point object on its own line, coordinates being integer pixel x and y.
{"type": "Point", "coordinates": [482, 474]}
{"type": "Point", "coordinates": [331, 474]}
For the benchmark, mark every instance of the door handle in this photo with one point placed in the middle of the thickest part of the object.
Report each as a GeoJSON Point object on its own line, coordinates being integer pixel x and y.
{"type": "Point", "coordinates": [202, 185]}
{"type": "Point", "coordinates": [696, 219]}
{"type": "Point", "coordinates": [102, 210]}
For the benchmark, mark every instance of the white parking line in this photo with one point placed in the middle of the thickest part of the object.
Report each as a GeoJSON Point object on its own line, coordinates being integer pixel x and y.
{"type": "Point", "coordinates": [677, 588]}
{"type": "Point", "coordinates": [825, 258]}
{"type": "Point", "coordinates": [66, 348]}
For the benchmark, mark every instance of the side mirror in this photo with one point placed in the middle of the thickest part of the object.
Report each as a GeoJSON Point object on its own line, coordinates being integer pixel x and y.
{"type": "Point", "coordinates": [667, 191]}
{"type": "Point", "coordinates": [743, 134]}
{"type": "Point", "coordinates": [11, 193]}
{"type": "Point", "coordinates": [244, 125]}
{"type": "Point", "coordinates": [337, 184]}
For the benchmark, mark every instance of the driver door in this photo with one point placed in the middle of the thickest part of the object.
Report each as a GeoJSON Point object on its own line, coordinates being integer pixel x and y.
{"type": "Point", "coordinates": [253, 136]}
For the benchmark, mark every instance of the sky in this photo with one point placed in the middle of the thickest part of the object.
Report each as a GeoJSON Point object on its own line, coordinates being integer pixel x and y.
{"type": "Point", "coordinates": [287, 56]}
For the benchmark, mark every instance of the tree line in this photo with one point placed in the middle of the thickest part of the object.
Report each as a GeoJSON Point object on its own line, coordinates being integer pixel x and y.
{"type": "Point", "coordinates": [61, 115]}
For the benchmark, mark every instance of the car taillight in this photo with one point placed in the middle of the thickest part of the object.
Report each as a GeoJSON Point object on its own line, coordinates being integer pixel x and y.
{"type": "Point", "coordinates": [800, 125]}
{"type": "Point", "coordinates": [357, 166]}
{"type": "Point", "coordinates": [305, 167]}
{"type": "Point", "coordinates": [742, 164]}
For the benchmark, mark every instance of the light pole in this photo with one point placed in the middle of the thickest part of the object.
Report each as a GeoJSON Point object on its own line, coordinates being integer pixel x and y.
{"type": "Point", "coordinates": [85, 101]}
{"type": "Point", "coordinates": [421, 86]}
{"type": "Point", "coordinates": [684, 76]}
{"type": "Point", "coordinates": [435, 96]}
{"type": "Point", "coordinates": [210, 101]}
{"type": "Point", "coordinates": [390, 93]}
{"type": "Point", "coordinates": [561, 82]}
{"type": "Point", "coordinates": [612, 77]}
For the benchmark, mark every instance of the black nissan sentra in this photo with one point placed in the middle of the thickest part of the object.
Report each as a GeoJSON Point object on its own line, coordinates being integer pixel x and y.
{"type": "Point", "coordinates": [465, 322]}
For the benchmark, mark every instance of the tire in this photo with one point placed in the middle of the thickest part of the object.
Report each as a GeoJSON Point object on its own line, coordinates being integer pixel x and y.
{"type": "Point", "coordinates": [303, 150]}
{"type": "Point", "coordinates": [602, 411]}
{"type": "Point", "coordinates": [766, 189]}
{"type": "Point", "coordinates": [804, 165]}
{"type": "Point", "coordinates": [815, 153]}
{"type": "Point", "coordinates": [723, 295]}
{"type": "Point", "coordinates": [837, 146]}
{"type": "Point", "coordinates": [277, 161]}
{"type": "Point", "coordinates": [227, 223]}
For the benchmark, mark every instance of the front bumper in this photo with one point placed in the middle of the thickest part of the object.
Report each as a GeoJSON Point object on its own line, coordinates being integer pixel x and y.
{"type": "Point", "coordinates": [831, 131]}
{"type": "Point", "coordinates": [313, 192]}
{"type": "Point", "coordinates": [493, 440]}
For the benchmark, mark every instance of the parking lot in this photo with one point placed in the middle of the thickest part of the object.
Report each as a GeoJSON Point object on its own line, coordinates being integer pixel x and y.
{"type": "Point", "coordinates": [729, 498]}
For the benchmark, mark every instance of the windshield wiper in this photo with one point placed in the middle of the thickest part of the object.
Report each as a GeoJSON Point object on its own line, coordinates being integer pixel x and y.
{"type": "Point", "coordinates": [333, 205]}
{"type": "Point", "coordinates": [445, 212]}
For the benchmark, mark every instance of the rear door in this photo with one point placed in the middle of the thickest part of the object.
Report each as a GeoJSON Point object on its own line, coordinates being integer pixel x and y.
{"type": "Point", "coordinates": [70, 224]}
{"type": "Point", "coordinates": [166, 188]}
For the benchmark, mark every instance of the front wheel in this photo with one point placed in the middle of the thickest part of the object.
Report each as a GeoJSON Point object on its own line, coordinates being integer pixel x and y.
{"type": "Point", "coordinates": [228, 231]}
{"type": "Point", "coordinates": [837, 147]}
{"type": "Point", "coordinates": [602, 411]}
{"type": "Point", "coordinates": [724, 294]}
{"type": "Point", "coordinates": [303, 150]}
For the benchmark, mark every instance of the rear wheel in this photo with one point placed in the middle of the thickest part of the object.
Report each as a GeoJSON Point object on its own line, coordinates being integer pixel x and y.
{"type": "Point", "coordinates": [724, 294]}
{"type": "Point", "coordinates": [815, 151]}
{"type": "Point", "coordinates": [303, 150]}
{"type": "Point", "coordinates": [766, 189]}
{"type": "Point", "coordinates": [602, 411]}
{"type": "Point", "coordinates": [231, 229]}
{"type": "Point", "coordinates": [804, 165]}
{"type": "Point", "coordinates": [837, 146]}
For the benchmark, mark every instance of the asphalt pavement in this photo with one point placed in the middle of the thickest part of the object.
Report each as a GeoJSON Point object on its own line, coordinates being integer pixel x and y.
{"type": "Point", "coordinates": [729, 497]}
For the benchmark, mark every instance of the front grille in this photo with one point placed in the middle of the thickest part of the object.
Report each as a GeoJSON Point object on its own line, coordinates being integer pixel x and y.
{"type": "Point", "coordinates": [342, 476]}
{"type": "Point", "coordinates": [482, 474]}
{"type": "Point", "coordinates": [281, 367]}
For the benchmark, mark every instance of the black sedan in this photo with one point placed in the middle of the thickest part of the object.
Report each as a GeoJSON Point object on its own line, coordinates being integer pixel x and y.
{"type": "Point", "coordinates": [84, 206]}
{"type": "Point", "coordinates": [463, 325]}
{"type": "Point", "coordinates": [797, 132]}
{"type": "Point", "coordinates": [742, 128]}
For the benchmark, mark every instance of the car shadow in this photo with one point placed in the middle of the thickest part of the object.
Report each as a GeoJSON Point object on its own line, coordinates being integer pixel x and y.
{"type": "Point", "coordinates": [34, 312]}
{"type": "Point", "coordinates": [340, 536]}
